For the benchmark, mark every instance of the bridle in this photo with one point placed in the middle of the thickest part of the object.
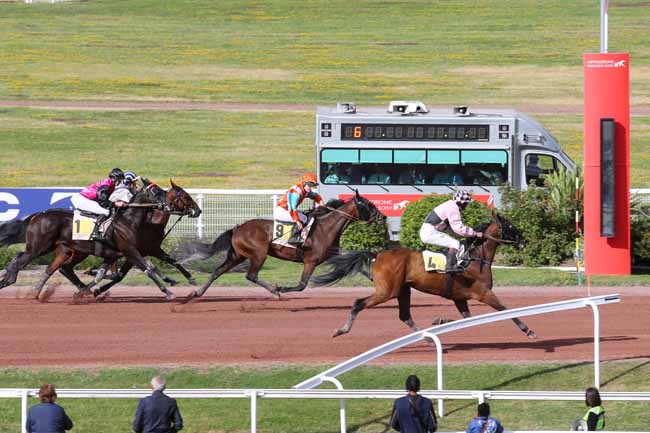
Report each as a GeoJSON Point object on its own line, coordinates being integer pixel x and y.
{"type": "Point", "coordinates": [360, 205]}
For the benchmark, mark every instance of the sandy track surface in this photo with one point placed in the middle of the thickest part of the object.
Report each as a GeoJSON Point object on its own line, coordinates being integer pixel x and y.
{"type": "Point", "coordinates": [136, 326]}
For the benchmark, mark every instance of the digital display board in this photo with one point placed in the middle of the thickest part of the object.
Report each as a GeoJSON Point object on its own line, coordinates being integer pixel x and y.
{"type": "Point", "coordinates": [413, 132]}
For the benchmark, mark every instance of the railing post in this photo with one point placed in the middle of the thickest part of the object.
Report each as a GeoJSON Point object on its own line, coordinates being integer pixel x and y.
{"type": "Point", "coordinates": [342, 416]}
{"type": "Point", "coordinates": [199, 221]}
{"type": "Point", "coordinates": [253, 411]}
{"type": "Point", "coordinates": [439, 376]}
{"type": "Point", "coordinates": [594, 308]}
{"type": "Point", "coordinates": [24, 394]}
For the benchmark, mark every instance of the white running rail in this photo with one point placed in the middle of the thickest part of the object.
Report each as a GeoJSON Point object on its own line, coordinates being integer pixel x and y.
{"type": "Point", "coordinates": [433, 332]}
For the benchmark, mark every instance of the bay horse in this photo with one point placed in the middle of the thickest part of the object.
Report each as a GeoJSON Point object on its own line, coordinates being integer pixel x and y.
{"type": "Point", "coordinates": [253, 240]}
{"type": "Point", "coordinates": [51, 230]}
{"type": "Point", "coordinates": [395, 272]}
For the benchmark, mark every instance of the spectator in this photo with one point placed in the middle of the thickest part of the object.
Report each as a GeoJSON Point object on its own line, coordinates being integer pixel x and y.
{"type": "Point", "coordinates": [413, 413]}
{"type": "Point", "coordinates": [594, 419]}
{"type": "Point", "coordinates": [157, 413]}
{"type": "Point", "coordinates": [47, 417]}
{"type": "Point", "coordinates": [484, 423]}
{"type": "Point", "coordinates": [533, 170]}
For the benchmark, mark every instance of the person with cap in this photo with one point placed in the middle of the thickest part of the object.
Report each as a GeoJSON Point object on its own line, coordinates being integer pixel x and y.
{"type": "Point", "coordinates": [442, 217]}
{"type": "Point", "coordinates": [287, 207]}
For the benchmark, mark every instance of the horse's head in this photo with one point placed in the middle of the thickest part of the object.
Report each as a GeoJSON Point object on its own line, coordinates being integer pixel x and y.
{"type": "Point", "coordinates": [367, 210]}
{"type": "Point", "coordinates": [179, 201]}
{"type": "Point", "coordinates": [150, 193]}
{"type": "Point", "coordinates": [503, 231]}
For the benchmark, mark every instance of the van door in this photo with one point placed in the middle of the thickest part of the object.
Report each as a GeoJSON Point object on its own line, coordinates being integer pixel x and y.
{"type": "Point", "coordinates": [536, 166]}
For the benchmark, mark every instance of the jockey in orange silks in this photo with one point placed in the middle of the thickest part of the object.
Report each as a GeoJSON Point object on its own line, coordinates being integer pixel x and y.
{"type": "Point", "coordinates": [287, 208]}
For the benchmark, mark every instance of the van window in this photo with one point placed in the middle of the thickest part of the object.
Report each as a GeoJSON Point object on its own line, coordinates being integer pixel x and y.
{"type": "Point", "coordinates": [538, 166]}
{"type": "Point", "coordinates": [414, 167]}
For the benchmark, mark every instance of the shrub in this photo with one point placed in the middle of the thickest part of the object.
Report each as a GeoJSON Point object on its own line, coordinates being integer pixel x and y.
{"type": "Point", "coordinates": [365, 237]}
{"type": "Point", "coordinates": [415, 214]}
{"type": "Point", "coordinates": [640, 232]}
{"type": "Point", "coordinates": [546, 218]}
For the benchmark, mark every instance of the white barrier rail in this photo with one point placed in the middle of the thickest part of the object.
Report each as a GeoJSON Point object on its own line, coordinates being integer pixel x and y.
{"type": "Point", "coordinates": [432, 333]}
{"type": "Point", "coordinates": [255, 394]}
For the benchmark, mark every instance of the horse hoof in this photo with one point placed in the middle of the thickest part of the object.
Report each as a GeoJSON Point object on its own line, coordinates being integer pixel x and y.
{"type": "Point", "coordinates": [170, 296]}
{"type": "Point", "coordinates": [531, 334]}
{"type": "Point", "coordinates": [172, 282]}
{"type": "Point", "coordinates": [192, 282]}
{"type": "Point", "coordinates": [337, 333]}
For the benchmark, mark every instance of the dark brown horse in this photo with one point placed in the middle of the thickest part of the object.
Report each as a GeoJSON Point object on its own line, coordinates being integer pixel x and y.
{"type": "Point", "coordinates": [395, 272]}
{"type": "Point", "coordinates": [253, 240]}
{"type": "Point", "coordinates": [51, 230]}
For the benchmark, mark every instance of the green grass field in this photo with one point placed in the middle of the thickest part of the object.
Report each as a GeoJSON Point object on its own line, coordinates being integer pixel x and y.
{"type": "Point", "coordinates": [444, 53]}
{"type": "Point", "coordinates": [288, 416]}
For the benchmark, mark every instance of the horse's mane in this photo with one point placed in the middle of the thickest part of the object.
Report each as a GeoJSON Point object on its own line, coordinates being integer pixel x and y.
{"type": "Point", "coordinates": [334, 203]}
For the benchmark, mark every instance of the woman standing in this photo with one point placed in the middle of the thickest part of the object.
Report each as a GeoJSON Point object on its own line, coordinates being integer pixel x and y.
{"type": "Point", "coordinates": [47, 417]}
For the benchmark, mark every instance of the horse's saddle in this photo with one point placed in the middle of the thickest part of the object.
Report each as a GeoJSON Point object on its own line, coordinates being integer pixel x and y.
{"type": "Point", "coordinates": [83, 225]}
{"type": "Point", "coordinates": [437, 262]}
{"type": "Point", "coordinates": [285, 234]}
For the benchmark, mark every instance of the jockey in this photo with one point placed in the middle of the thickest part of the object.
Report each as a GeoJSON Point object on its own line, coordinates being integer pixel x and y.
{"type": "Point", "coordinates": [287, 208]}
{"type": "Point", "coordinates": [124, 191]}
{"type": "Point", "coordinates": [94, 197]}
{"type": "Point", "coordinates": [444, 216]}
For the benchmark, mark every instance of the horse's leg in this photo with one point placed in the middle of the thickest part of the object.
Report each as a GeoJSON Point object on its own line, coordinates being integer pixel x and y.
{"type": "Point", "coordinates": [20, 261]}
{"type": "Point", "coordinates": [379, 297]}
{"type": "Point", "coordinates": [119, 276]}
{"type": "Point", "coordinates": [307, 271]}
{"type": "Point", "coordinates": [232, 260]}
{"type": "Point", "coordinates": [404, 303]}
{"type": "Point", "coordinates": [133, 255]}
{"type": "Point", "coordinates": [256, 263]}
{"type": "Point", "coordinates": [63, 255]}
{"type": "Point", "coordinates": [169, 260]}
{"type": "Point", "coordinates": [493, 301]}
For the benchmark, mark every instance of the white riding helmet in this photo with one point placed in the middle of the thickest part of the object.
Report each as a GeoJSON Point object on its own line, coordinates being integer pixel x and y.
{"type": "Point", "coordinates": [463, 197]}
{"type": "Point", "coordinates": [129, 177]}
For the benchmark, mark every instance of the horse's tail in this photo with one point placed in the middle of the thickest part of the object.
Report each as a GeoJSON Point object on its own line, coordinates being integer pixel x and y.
{"type": "Point", "coordinates": [200, 251]}
{"type": "Point", "coordinates": [13, 232]}
{"type": "Point", "coordinates": [342, 265]}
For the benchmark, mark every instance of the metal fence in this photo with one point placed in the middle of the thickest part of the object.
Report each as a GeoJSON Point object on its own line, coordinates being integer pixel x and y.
{"type": "Point", "coordinates": [225, 208]}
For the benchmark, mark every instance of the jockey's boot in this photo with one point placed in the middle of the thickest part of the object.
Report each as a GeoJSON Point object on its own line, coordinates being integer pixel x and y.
{"type": "Point", "coordinates": [452, 262]}
{"type": "Point", "coordinates": [296, 238]}
{"type": "Point", "coordinates": [97, 234]}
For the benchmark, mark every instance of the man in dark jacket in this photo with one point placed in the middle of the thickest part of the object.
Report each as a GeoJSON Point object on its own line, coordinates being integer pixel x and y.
{"type": "Point", "coordinates": [157, 413]}
{"type": "Point", "coordinates": [413, 413]}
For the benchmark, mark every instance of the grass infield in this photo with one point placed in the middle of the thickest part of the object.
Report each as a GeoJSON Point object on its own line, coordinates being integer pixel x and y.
{"type": "Point", "coordinates": [298, 415]}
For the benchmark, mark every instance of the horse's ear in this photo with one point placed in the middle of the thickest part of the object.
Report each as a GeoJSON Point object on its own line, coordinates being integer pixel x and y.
{"type": "Point", "coordinates": [172, 183]}
{"type": "Point", "coordinates": [356, 194]}
{"type": "Point", "coordinates": [494, 214]}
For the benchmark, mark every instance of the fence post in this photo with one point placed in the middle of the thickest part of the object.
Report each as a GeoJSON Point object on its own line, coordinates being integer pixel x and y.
{"type": "Point", "coordinates": [24, 394]}
{"type": "Point", "coordinates": [253, 411]}
{"type": "Point", "coordinates": [342, 415]}
{"type": "Point", "coordinates": [199, 222]}
{"type": "Point", "coordinates": [594, 307]}
{"type": "Point", "coordinates": [439, 377]}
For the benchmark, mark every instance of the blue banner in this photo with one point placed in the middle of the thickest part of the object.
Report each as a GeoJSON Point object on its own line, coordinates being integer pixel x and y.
{"type": "Point", "coordinates": [17, 203]}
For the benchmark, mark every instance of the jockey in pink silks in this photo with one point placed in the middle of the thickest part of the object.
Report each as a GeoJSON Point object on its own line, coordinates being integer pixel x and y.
{"type": "Point", "coordinates": [442, 217]}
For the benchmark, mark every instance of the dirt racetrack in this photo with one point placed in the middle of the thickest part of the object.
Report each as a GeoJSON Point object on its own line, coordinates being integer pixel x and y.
{"type": "Point", "coordinates": [136, 326]}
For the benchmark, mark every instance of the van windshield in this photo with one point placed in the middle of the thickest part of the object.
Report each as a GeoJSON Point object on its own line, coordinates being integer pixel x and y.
{"type": "Point", "coordinates": [413, 167]}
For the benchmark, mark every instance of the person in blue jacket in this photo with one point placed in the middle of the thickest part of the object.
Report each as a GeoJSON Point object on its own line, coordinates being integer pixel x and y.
{"type": "Point", "coordinates": [413, 413]}
{"type": "Point", "coordinates": [47, 417]}
{"type": "Point", "coordinates": [484, 423]}
{"type": "Point", "coordinates": [157, 413]}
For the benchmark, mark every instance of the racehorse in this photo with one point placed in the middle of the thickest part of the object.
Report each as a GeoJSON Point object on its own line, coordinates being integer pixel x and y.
{"type": "Point", "coordinates": [130, 236]}
{"type": "Point", "coordinates": [394, 272]}
{"type": "Point", "coordinates": [253, 240]}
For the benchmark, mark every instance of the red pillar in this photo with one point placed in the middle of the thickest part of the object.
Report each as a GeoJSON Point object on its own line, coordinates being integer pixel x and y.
{"type": "Point", "coordinates": [607, 95]}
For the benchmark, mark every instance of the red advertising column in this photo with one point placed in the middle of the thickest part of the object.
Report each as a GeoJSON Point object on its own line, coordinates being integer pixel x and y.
{"type": "Point", "coordinates": [607, 193]}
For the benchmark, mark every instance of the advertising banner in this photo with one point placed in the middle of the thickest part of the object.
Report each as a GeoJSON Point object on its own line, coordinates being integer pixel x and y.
{"type": "Point", "coordinates": [17, 203]}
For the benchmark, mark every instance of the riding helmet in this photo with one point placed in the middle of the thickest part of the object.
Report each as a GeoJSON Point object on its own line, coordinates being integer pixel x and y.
{"type": "Point", "coordinates": [309, 178]}
{"type": "Point", "coordinates": [463, 197]}
{"type": "Point", "coordinates": [129, 177]}
{"type": "Point", "coordinates": [116, 174]}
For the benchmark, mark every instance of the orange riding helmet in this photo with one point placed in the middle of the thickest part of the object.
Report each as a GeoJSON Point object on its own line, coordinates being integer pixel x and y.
{"type": "Point", "coordinates": [308, 178]}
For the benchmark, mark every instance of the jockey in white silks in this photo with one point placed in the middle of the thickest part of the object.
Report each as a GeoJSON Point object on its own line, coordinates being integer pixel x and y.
{"type": "Point", "coordinates": [442, 217]}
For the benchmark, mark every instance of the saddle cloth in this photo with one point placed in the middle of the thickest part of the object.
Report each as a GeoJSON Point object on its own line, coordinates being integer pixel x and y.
{"type": "Point", "coordinates": [83, 224]}
{"type": "Point", "coordinates": [282, 232]}
{"type": "Point", "coordinates": [434, 262]}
